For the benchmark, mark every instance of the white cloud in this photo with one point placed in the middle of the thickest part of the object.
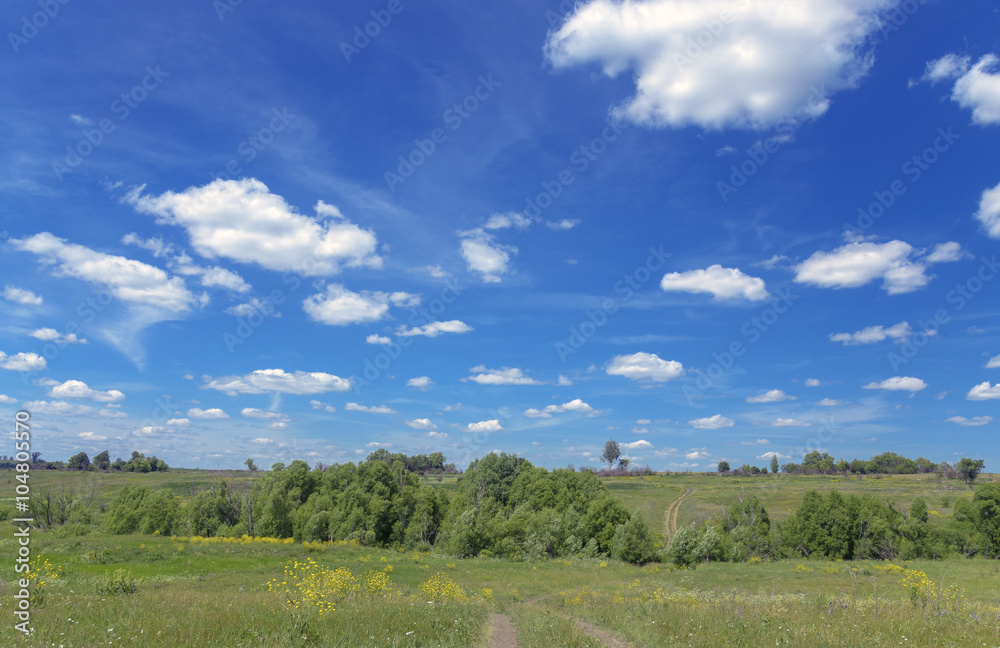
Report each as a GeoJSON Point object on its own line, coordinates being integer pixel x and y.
{"type": "Point", "coordinates": [564, 224]}
{"type": "Point", "coordinates": [898, 332]}
{"type": "Point", "coordinates": [643, 422]}
{"type": "Point", "coordinates": [989, 211]}
{"type": "Point", "coordinates": [130, 281]}
{"type": "Point", "coordinates": [983, 391]}
{"type": "Point", "coordinates": [278, 380]}
{"type": "Point", "coordinates": [435, 271]}
{"type": "Point", "coordinates": [697, 455]}
{"type": "Point", "coordinates": [641, 444]}
{"type": "Point", "coordinates": [756, 442]}
{"type": "Point", "coordinates": [377, 339]}
{"type": "Point", "coordinates": [899, 383]}
{"type": "Point", "coordinates": [216, 277]}
{"type": "Point", "coordinates": [80, 120]}
{"type": "Point", "coordinates": [7, 400]}
{"type": "Point", "coordinates": [504, 376]}
{"type": "Point", "coordinates": [22, 362]}
{"type": "Point", "coordinates": [829, 402]}
{"type": "Point", "coordinates": [262, 415]}
{"type": "Point", "coordinates": [79, 389]}
{"type": "Point", "coordinates": [946, 253]}
{"type": "Point", "coordinates": [21, 296]}
{"type": "Point", "coordinates": [434, 434]}
{"type": "Point", "coordinates": [563, 381]}
{"type": "Point", "coordinates": [326, 407]}
{"type": "Point", "coordinates": [772, 396]}
{"type": "Point", "coordinates": [422, 424]}
{"type": "Point", "coordinates": [52, 335]}
{"type": "Point", "coordinates": [974, 421]}
{"type": "Point", "coordinates": [254, 306]}
{"type": "Point", "coordinates": [262, 441]}
{"type": "Point", "coordinates": [713, 422]}
{"type": "Point", "coordinates": [575, 405]}
{"type": "Point", "coordinates": [423, 383]}
{"type": "Point", "coordinates": [484, 255]}
{"type": "Point", "coordinates": [645, 367]}
{"type": "Point", "coordinates": [154, 244]}
{"type": "Point", "coordinates": [373, 409]}
{"type": "Point", "coordinates": [107, 412]}
{"type": "Point", "coordinates": [91, 436]}
{"type": "Point", "coordinates": [994, 363]}
{"type": "Point", "coordinates": [812, 382]}
{"type": "Point", "coordinates": [857, 264]}
{"type": "Point", "coordinates": [950, 66]}
{"type": "Point", "coordinates": [242, 220]}
{"type": "Point", "coordinates": [484, 426]}
{"type": "Point", "coordinates": [147, 431]}
{"type": "Point", "coordinates": [58, 408]}
{"type": "Point", "coordinates": [721, 283]}
{"type": "Point", "coordinates": [508, 220]}
{"type": "Point", "coordinates": [768, 455]}
{"type": "Point", "coordinates": [716, 63]}
{"type": "Point", "coordinates": [338, 306]}
{"type": "Point", "coordinates": [179, 422]}
{"type": "Point", "coordinates": [211, 414]}
{"type": "Point", "coordinates": [433, 329]}
{"type": "Point", "coordinates": [789, 422]}
{"type": "Point", "coordinates": [976, 87]}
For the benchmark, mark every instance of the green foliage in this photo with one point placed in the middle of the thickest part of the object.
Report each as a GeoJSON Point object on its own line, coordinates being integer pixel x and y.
{"type": "Point", "coordinates": [723, 467]}
{"type": "Point", "coordinates": [611, 452]}
{"type": "Point", "coordinates": [120, 582]}
{"type": "Point", "coordinates": [102, 461]}
{"type": "Point", "coordinates": [139, 508]}
{"type": "Point", "coordinates": [969, 469]}
{"type": "Point", "coordinates": [79, 461]}
{"type": "Point", "coordinates": [633, 542]}
{"type": "Point", "coordinates": [683, 549]}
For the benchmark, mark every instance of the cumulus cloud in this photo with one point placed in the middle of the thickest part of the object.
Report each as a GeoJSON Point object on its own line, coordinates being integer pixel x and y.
{"type": "Point", "coordinates": [989, 211]}
{"type": "Point", "coordinates": [970, 422]}
{"type": "Point", "coordinates": [319, 405]}
{"type": "Point", "coordinates": [52, 335]}
{"type": "Point", "coordinates": [371, 409]}
{"type": "Point", "coordinates": [646, 367]}
{"type": "Point", "coordinates": [178, 422]}
{"type": "Point", "coordinates": [377, 339]}
{"type": "Point", "coordinates": [422, 424]}
{"type": "Point", "coordinates": [22, 362]}
{"type": "Point", "coordinates": [108, 412]}
{"type": "Point", "coordinates": [433, 329]}
{"type": "Point", "coordinates": [812, 382]}
{"type": "Point", "coordinates": [641, 444]}
{"type": "Point", "coordinates": [789, 422]}
{"type": "Point", "coordinates": [575, 405]}
{"type": "Point", "coordinates": [756, 442]}
{"type": "Point", "coordinates": [7, 400]}
{"type": "Point", "coordinates": [132, 282]}
{"type": "Point", "coordinates": [977, 87]}
{"type": "Point", "coordinates": [717, 63]}
{"type": "Point", "coordinates": [262, 415]}
{"type": "Point", "coordinates": [154, 244]}
{"type": "Point", "coordinates": [507, 220]}
{"type": "Point", "coordinates": [712, 422]}
{"type": "Point", "coordinates": [772, 396]}
{"type": "Point", "coordinates": [79, 389]}
{"type": "Point", "coordinates": [91, 436]}
{"type": "Point", "coordinates": [946, 253]}
{"type": "Point", "coordinates": [242, 220]}
{"type": "Point", "coordinates": [484, 426]}
{"type": "Point", "coordinates": [563, 224]}
{"type": "Point", "coordinates": [338, 306]}
{"type": "Point", "coordinates": [212, 414]}
{"type": "Point", "coordinates": [504, 376]}
{"type": "Point", "coordinates": [994, 363]}
{"type": "Point", "coordinates": [829, 402]}
{"type": "Point", "coordinates": [21, 296]}
{"type": "Point", "coordinates": [721, 283]}
{"type": "Point", "coordinates": [57, 408]}
{"type": "Point", "coordinates": [984, 391]}
{"type": "Point", "coordinates": [898, 332]}
{"type": "Point", "coordinates": [278, 380]}
{"type": "Point", "coordinates": [423, 383]}
{"type": "Point", "coordinates": [898, 383]}
{"type": "Point", "coordinates": [768, 455]}
{"type": "Point", "coordinates": [484, 255]}
{"type": "Point", "coordinates": [860, 263]}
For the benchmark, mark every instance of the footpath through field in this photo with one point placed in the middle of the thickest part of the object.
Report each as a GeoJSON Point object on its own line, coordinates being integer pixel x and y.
{"type": "Point", "coordinates": [670, 522]}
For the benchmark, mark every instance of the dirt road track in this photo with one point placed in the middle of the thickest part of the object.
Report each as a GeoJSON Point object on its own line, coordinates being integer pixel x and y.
{"type": "Point", "coordinates": [670, 521]}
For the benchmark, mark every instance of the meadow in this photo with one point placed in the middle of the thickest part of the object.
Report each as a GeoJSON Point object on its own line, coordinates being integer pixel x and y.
{"type": "Point", "coordinates": [180, 591]}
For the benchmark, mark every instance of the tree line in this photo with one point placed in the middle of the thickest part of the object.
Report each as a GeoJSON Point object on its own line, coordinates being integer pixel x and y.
{"type": "Point", "coordinates": [887, 463]}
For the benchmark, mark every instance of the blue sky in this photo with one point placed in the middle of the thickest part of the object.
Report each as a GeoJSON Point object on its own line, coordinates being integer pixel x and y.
{"type": "Point", "coordinates": [707, 229]}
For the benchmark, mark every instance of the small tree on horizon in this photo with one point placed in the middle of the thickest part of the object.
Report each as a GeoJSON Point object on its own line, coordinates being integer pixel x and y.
{"type": "Point", "coordinates": [611, 452]}
{"type": "Point", "coordinates": [251, 466]}
{"type": "Point", "coordinates": [723, 467]}
{"type": "Point", "coordinates": [774, 464]}
{"type": "Point", "coordinates": [969, 469]}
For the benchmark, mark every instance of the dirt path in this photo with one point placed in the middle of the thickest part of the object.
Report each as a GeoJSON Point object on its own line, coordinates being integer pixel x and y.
{"type": "Point", "coordinates": [670, 521]}
{"type": "Point", "coordinates": [601, 635]}
{"type": "Point", "coordinates": [502, 634]}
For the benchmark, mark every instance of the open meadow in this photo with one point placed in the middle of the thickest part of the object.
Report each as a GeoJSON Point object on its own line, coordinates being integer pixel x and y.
{"type": "Point", "coordinates": [180, 591]}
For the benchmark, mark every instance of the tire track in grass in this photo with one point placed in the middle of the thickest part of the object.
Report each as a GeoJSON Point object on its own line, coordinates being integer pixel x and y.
{"type": "Point", "coordinates": [670, 520]}
{"type": "Point", "coordinates": [600, 635]}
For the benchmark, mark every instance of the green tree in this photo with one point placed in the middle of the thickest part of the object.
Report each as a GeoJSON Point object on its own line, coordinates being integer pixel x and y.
{"type": "Point", "coordinates": [683, 549]}
{"type": "Point", "coordinates": [251, 466]}
{"type": "Point", "coordinates": [611, 452]}
{"type": "Point", "coordinates": [102, 461]}
{"type": "Point", "coordinates": [633, 542]}
{"type": "Point", "coordinates": [969, 469]}
{"type": "Point", "coordinates": [79, 461]}
{"type": "Point", "coordinates": [774, 464]}
{"type": "Point", "coordinates": [723, 467]}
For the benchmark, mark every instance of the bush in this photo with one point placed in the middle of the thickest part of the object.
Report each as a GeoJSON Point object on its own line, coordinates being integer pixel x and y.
{"type": "Point", "coordinates": [119, 582]}
{"type": "Point", "coordinates": [633, 542]}
{"type": "Point", "coordinates": [683, 549]}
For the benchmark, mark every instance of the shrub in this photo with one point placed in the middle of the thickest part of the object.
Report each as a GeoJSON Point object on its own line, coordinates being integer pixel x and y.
{"type": "Point", "coordinates": [119, 582]}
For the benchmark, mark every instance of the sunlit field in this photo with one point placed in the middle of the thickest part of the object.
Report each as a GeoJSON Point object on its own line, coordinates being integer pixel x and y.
{"type": "Point", "coordinates": [180, 591]}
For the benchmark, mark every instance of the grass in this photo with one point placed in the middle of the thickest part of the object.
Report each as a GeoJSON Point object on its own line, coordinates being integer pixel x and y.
{"type": "Point", "coordinates": [193, 593]}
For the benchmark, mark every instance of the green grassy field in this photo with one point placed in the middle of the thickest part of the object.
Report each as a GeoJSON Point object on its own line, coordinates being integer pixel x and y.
{"type": "Point", "coordinates": [195, 593]}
